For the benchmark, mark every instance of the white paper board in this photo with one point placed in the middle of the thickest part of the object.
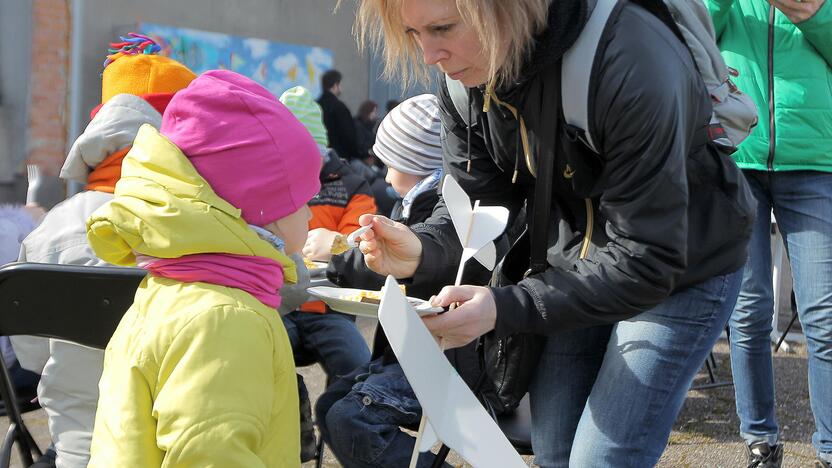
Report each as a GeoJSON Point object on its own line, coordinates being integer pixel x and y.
{"type": "Point", "coordinates": [454, 413]}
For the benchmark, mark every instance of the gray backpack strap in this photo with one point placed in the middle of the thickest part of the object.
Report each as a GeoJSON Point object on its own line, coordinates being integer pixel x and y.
{"type": "Point", "coordinates": [459, 96]}
{"type": "Point", "coordinates": [577, 68]}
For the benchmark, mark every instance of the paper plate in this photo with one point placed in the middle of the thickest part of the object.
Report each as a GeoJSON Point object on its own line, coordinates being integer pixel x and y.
{"type": "Point", "coordinates": [334, 297]}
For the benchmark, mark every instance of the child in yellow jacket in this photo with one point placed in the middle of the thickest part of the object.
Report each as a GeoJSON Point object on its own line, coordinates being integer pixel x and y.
{"type": "Point", "coordinates": [200, 371]}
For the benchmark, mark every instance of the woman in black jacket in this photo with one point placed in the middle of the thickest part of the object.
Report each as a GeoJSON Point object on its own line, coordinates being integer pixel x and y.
{"type": "Point", "coordinates": [645, 239]}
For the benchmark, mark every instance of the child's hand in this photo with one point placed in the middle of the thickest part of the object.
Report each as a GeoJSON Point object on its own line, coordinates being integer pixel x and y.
{"type": "Point", "coordinates": [319, 244]}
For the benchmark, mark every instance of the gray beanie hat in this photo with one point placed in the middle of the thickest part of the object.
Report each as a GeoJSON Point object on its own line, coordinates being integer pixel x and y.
{"type": "Point", "coordinates": [408, 137]}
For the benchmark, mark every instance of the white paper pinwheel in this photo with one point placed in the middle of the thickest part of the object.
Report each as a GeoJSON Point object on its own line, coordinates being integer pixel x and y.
{"type": "Point", "coordinates": [455, 414]}
{"type": "Point", "coordinates": [476, 227]}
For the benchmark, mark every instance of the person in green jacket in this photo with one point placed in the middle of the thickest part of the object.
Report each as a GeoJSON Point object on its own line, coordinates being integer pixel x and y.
{"type": "Point", "coordinates": [782, 51]}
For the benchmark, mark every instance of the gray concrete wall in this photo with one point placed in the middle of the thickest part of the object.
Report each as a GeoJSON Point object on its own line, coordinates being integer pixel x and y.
{"type": "Point", "coordinates": [15, 58]}
{"type": "Point", "coordinates": [306, 22]}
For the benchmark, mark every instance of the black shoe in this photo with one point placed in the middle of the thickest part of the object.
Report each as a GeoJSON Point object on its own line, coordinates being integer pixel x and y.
{"type": "Point", "coordinates": [762, 455]}
{"type": "Point", "coordinates": [822, 464]}
{"type": "Point", "coordinates": [308, 442]}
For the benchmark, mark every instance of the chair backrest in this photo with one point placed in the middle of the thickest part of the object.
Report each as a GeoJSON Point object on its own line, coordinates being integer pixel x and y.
{"type": "Point", "coordinates": [73, 303]}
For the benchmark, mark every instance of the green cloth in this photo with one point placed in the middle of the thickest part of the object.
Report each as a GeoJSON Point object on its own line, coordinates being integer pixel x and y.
{"type": "Point", "coordinates": [802, 66]}
{"type": "Point", "coordinates": [305, 109]}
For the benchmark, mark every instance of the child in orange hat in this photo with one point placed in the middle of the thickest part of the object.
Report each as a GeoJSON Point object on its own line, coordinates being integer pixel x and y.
{"type": "Point", "coordinates": [137, 85]}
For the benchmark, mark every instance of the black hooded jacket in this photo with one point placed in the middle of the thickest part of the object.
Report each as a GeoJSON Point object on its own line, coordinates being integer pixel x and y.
{"type": "Point", "coordinates": [627, 228]}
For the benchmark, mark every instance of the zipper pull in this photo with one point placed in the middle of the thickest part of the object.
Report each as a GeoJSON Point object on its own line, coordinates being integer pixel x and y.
{"type": "Point", "coordinates": [486, 103]}
{"type": "Point", "coordinates": [514, 177]}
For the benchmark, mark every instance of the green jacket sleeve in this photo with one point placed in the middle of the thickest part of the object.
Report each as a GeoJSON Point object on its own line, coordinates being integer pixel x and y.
{"type": "Point", "coordinates": [818, 31]}
{"type": "Point", "coordinates": [215, 391]}
{"type": "Point", "coordinates": [719, 13]}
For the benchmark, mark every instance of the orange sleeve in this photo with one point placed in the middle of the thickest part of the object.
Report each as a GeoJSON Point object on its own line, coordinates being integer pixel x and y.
{"type": "Point", "coordinates": [359, 204]}
{"type": "Point", "coordinates": [326, 216]}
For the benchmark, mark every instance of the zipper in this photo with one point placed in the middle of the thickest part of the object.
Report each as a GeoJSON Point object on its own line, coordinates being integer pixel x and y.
{"type": "Point", "coordinates": [771, 126]}
{"type": "Point", "coordinates": [524, 137]}
{"type": "Point", "coordinates": [590, 215]}
{"type": "Point", "coordinates": [590, 222]}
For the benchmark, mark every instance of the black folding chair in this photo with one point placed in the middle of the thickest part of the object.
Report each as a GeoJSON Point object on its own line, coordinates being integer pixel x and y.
{"type": "Point", "coordinates": [789, 326]}
{"type": "Point", "coordinates": [73, 303]}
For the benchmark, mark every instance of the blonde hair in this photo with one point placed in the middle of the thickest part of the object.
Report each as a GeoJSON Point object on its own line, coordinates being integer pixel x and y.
{"type": "Point", "coordinates": [505, 28]}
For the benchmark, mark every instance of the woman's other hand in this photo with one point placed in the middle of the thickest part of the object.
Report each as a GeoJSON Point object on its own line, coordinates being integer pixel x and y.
{"type": "Point", "coordinates": [475, 316]}
{"type": "Point", "coordinates": [390, 248]}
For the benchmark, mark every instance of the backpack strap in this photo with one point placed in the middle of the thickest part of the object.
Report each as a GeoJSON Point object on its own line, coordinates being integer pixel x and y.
{"type": "Point", "coordinates": [577, 69]}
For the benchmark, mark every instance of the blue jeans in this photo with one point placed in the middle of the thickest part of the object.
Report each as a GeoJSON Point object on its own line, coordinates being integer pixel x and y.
{"type": "Point", "coordinates": [802, 203]}
{"type": "Point", "coordinates": [359, 417]}
{"type": "Point", "coordinates": [608, 395]}
{"type": "Point", "coordinates": [332, 339]}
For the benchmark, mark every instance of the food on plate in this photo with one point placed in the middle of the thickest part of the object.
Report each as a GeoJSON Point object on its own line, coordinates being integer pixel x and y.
{"type": "Point", "coordinates": [310, 265]}
{"type": "Point", "coordinates": [369, 297]}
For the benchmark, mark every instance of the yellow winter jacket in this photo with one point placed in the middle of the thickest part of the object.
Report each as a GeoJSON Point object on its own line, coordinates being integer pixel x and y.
{"type": "Point", "coordinates": [196, 375]}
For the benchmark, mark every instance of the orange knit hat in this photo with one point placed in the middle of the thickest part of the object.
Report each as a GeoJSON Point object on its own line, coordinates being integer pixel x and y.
{"type": "Point", "coordinates": [133, 68]}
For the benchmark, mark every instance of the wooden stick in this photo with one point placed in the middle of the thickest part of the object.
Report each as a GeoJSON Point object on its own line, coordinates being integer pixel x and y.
{"type": "Point", "coordinates": [415, 456]}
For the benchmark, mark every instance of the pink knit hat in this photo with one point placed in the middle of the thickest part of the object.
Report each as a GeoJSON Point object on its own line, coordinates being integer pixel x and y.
{"type": "Point", "coordinates": [251, 149]}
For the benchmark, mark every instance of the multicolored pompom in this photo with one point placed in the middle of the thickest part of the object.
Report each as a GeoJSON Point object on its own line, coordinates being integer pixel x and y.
{"type": "Point", "coordinates": [132, 44]}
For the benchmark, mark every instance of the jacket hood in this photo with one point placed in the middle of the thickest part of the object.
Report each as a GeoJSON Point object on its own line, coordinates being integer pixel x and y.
{"type": "Point", "coordinates": [113, 128]}
{"type": "Point", "coordinates": [164, 208]}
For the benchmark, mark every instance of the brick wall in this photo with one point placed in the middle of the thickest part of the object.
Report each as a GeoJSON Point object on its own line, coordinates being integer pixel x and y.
{"type": "Point", "coordinates": [49, 84]}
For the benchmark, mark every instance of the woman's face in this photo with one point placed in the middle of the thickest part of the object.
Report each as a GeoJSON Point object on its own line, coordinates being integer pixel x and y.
{"type": "Point", "coordinates": [446, 41]}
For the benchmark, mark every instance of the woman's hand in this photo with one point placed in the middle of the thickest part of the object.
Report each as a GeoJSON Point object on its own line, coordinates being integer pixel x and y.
{"type": "Point", "coordinates": [318, 245]}
{"type": "Point", "coordinates": [390, 248]}
{"type": "Point", "coordinates": [796, 10]}
{"type": "Point", "coordinates": [476, 316]}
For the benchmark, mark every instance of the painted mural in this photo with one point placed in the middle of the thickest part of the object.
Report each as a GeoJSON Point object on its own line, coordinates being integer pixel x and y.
{"type": "Point", "coordinates": [276, 65]}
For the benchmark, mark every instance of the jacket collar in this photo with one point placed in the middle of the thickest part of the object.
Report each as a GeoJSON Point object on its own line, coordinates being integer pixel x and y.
{"type": "Point", "coordinates": [566, 20]}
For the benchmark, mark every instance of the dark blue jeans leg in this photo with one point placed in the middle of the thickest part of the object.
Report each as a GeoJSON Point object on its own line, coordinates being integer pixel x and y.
{"type": "Point", "coordinates": [333, 337]}
{"type": "Point", "coordinates": [363, 427]}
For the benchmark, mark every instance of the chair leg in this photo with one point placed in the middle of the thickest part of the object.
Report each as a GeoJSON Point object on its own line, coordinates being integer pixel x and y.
{"type": "Point", "coordinates": [319, 457]}
{"type": "Point", "coordinates": [710, 371]}
{"type": "Point", "coordinates": [8, 443]}
{"type": "Point", "coordinates": [20, 434]}
{"type": "Point", "coordinates": [786, 332]}
{"type": "Point", "coordinates": [710, 364]}
{"type": "Point", "coordinates": [791, 323]}
{"type": "Point", "coordinates": [441, 456]}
